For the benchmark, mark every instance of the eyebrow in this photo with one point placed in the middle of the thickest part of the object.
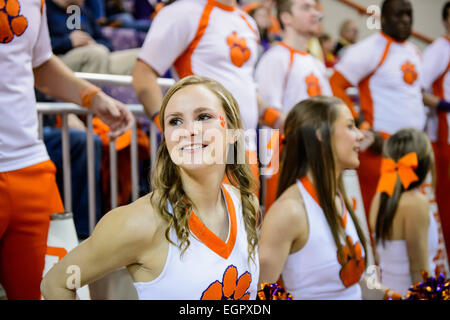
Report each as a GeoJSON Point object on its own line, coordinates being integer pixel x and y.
{"type": "Point", "coordinates": [197, 110]}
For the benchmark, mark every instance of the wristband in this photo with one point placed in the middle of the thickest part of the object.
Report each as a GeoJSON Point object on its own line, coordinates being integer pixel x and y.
{"type": "Point", "coordinates": [156, 121]}
{"type": "Point", "coordinates": [271, 115]}
{"type": "Point", "coordinates": [87, 93]}
{"type": "Point", "coordinates": [390, 294]}
{"type": "Point", "coordinates": [443, 105]}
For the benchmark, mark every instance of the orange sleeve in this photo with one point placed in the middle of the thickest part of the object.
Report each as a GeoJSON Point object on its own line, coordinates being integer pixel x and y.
{"type": "Point", "coordinates": [339, 85]}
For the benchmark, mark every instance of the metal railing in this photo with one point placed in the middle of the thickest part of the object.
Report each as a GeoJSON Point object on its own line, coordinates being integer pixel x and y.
{"type": "Point", "coordinates": [64, 109]}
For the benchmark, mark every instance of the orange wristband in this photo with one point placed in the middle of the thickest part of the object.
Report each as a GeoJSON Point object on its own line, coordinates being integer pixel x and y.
{"type": "Point", "coordinates": [390, 294]}
{"type": "Point", "coordinates": [271, 115]}
{"type": "Point", "coordinates": [87, 93]}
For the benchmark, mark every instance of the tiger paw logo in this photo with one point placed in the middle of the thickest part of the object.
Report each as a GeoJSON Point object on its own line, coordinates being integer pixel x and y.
{"type": "Point", "coordinates": [11, 22]}
{"type": "Point", "coordinates": [313, 85]}
{"type": "Point", "coordinates": [352, 263]}
{"type": "Point", "coordinates": [231, 287]}
{"type": "Point", "coordinates": [409, 73]}
{"type": "Point", "coordinates": [239, 52]}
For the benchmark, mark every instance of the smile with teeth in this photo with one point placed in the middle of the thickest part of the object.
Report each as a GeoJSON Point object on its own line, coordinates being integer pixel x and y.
{"type": "Point", "coordinates": [193, 147]}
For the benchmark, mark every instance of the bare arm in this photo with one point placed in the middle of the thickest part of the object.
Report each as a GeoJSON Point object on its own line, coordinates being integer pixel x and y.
{"type": "Point", "coordinates": [284, 227]}
{"type": "Point", "coordinates": [117, 241]}
{"type": "Point", "coordinates": [147, 89]}
{"type": "Point", "coordinates": [416, 222]}
{"type": "Point", "coordinates": [58, 81]}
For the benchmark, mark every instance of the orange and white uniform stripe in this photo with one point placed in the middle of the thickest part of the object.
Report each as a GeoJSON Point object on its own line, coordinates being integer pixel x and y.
{"type": "Point", "coordinates": [286, 76]}
{"type": "Point", "coordinates": [209, 269]}
{"type": "Point", "coordinates": [314, 272]}
{"type": "Point", "coordinates": [388, 75]}
{"type": "Point", "coordinates": [209, 39]}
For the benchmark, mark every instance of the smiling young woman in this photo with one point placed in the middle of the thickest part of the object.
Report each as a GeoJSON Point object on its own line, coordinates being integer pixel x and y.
{"type": "Point", "coordinates": [193, 237]}
{"type": "Point", "coordinates": [311, 236]}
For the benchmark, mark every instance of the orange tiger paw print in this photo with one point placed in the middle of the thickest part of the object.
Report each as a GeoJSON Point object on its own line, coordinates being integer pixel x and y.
{"type": "Point", "coordinates": [231, 288]}
{"type": "Point", "coordinates": [409, 73]}
{"type": "Point", "coordinates": [353, 264]}
{"type": "Point", "coordinates": [11, 23]}
{"type": "Point", "coordinates": [313, 85]}
{"type": "Point", "coordinates": [239, 52]}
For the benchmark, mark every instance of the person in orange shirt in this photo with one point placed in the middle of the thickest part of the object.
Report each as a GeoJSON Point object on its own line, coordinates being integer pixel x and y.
{"type": "Point", "coordinates": [387, 70]}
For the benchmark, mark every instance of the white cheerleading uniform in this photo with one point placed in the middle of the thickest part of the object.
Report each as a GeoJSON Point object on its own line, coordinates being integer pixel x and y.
{"type": "Point", "coordinates": [209, 269]}
{"type": "Point", "coordinates": [314, 272]}
{"type": "Point", "coordinates": [394, 259]}
{"type": "Point", "coordinates": [286, 76]}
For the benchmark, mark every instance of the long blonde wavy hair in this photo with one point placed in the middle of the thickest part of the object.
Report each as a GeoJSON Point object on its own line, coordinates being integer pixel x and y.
{"type": "Point", "coordinates": [166, 179]}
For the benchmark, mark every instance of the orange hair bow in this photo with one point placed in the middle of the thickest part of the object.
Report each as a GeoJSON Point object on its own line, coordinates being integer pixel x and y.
{"type": "Point", "coordinates": [404, 168]}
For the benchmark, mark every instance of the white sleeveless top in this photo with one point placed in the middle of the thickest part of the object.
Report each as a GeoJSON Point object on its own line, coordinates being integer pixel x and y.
{"type": "Point", "coordinates": [314, 272]}
{"type": "Point", "coordinates": [394, 260]}
{"type": "Point", "coordinates": [209, 269]}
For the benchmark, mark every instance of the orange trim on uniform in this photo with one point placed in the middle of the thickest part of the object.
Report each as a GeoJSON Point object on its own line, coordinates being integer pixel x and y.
{"type": "Point", "coordinates": [221, 5]}
{"type": "Point", "coordinates": [208, 238]}
{"type": "Point", "coordinates": [338, 85]}
{"type": "Point", "coordinates": [249, 25]}
{"type": "Point", "coordinates": [364, 86]}
{"type": "Point", "coordinates": [308, 185]}
{"type": "Point", "coordinates": [390, 39]}
{"type": "Point", "coordinates": [303, 53]}
{"type": "Point", "coordinates": [42, 6]}
{"type": "Point", "coordinates": [183, 63]}
{"type": "Point", "coordinates": [292, 53]}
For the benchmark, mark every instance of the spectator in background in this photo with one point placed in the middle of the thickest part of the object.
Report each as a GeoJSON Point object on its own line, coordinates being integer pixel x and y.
{"type": "Point", "coordinates": [117, 16]}
{"type": "Point", "coordinates": [287, 73]}
{"type": "Point", "coordinates": [436, 79]}
{"type": "Point", "coordinates": [348, 35]}
{"type": "Point", "coordinates": [387, 69]}
{"type": "Point", "coordinates": [85, 50]}
{"type": "Point", "coordinates": [263, 21]}
{"type": "Point", "coordinates": [328, 45]}
{"type": "Point", "coordinates": [274, 29]}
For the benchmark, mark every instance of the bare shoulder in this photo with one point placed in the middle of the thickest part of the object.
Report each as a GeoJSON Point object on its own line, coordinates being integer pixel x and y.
{"type": "Point", "coordinates": [290, 209]}
{"type": "Point", "coordinates": [137, 222]}
{"type": "Point", "coordinates": [414, 204]}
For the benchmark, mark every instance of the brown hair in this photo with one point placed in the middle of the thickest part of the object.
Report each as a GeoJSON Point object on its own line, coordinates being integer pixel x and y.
{"type": "Point", "coordinates": [166, 179]}
{"type": "Point", "coordinates": [283, 6]}
{"type": "Point", "coordinates": [398, 145]}
{"type": "Point", "coordinates": [303, 152]}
